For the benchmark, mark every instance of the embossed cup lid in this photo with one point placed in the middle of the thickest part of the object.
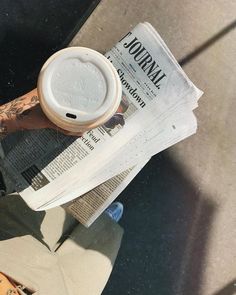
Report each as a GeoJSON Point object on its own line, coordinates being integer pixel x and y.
{"type": "Point", "coordinates": [79, 89]}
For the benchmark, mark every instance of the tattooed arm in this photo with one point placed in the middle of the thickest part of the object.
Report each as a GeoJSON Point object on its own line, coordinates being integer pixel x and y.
{"type": "Point", "coordinates": [24, 113]}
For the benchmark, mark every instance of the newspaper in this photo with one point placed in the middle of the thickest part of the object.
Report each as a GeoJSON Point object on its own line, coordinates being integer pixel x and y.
{"type": "Point", "coordinates": [50, 169]}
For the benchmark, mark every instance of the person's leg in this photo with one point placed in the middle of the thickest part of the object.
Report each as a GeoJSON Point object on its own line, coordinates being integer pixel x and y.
{"type": "Point", "coordinates": [17, 219]}
{"type": "Point", "coordinates": [82, 262]}
{"type": "Point", "coordinates": [88, 255]}
{"type": "Point", "coordinates": [25, 255]}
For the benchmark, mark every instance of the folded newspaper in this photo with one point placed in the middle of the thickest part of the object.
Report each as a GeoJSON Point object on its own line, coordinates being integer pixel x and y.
{"type": "Point", "coordinates": [86, 174]}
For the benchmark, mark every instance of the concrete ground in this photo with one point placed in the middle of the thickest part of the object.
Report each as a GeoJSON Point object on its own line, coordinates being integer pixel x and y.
{"type": "Point", "coordinates": [180, 211]}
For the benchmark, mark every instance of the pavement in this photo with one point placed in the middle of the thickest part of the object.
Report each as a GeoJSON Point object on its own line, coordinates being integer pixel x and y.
{"type": "Point", "coordinates": [180, 211]}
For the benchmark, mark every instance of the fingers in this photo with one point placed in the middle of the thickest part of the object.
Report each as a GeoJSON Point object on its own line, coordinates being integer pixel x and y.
{"type": "Point", "coordinates": [44, 122]}
{"type": "Point", "coordinates": [76, 134]}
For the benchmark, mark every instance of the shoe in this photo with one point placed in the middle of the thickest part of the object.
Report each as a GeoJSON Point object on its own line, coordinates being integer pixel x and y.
{"type": "Point", "coordinates": [115, 211]}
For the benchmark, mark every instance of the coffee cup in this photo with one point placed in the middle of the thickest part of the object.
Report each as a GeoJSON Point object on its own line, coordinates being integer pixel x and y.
{"type": "Point", "coordinates": [79, 89]}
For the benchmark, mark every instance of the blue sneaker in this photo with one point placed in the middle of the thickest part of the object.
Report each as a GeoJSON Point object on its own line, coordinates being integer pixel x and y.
{"type": "Point", "coordinates": [115, 211]}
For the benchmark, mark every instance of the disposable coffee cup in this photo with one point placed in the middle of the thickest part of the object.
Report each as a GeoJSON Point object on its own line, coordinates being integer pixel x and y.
{"type": "Point", "coordinates": [79, 89]}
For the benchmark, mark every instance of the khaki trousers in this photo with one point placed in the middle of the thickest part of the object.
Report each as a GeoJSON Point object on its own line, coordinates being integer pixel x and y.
{"type": "Point", "coordinates": [51, 253]}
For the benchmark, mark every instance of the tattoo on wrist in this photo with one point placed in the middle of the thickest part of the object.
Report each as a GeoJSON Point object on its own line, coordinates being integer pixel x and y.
{"type": "Point", "coordinates": [15, 110]}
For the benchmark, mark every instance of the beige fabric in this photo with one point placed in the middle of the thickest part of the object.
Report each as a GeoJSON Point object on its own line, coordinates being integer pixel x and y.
{"type": "Point", "coordinates": [51, 253]}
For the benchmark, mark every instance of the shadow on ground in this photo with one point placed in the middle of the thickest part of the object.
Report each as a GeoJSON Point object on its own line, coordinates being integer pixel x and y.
{"type": "Point", "coordinates": [229, 289]}
{"type": "Point", "coordinates": [31, 31]}
{"type": "Point", "coordinates": [167, 222]}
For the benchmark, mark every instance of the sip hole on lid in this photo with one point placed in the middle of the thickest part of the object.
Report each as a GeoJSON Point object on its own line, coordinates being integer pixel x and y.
{"type": "Point", "coordinates": [72, 116]}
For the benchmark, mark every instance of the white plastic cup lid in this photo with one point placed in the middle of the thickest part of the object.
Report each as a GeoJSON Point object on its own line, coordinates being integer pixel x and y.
{"type": "Point", "coordinates": [79, 89]}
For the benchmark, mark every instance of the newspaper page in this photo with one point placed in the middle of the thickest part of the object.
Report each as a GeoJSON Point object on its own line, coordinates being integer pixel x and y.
{"type": "Point", "coordinates": [49, 164]}
{"type": "Point", "coordinates": [143, 145]}
{"type": "Point", "coordinates": [88, 207]}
